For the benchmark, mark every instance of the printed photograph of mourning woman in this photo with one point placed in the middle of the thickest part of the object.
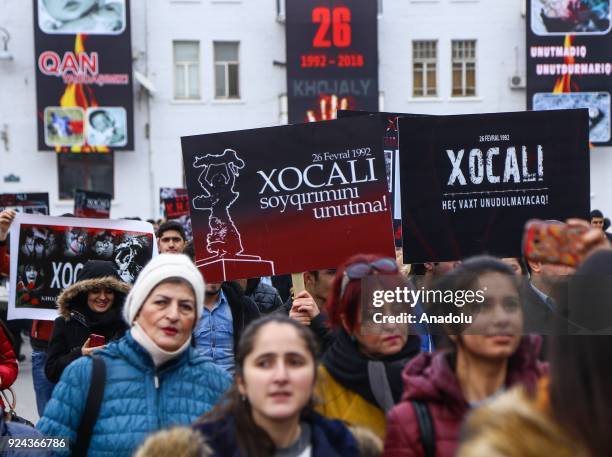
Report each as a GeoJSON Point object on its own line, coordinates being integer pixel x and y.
{"type": "Point", "coordinates": [579, 17]}
{"type": "Point", "coordinates": [50, 258]}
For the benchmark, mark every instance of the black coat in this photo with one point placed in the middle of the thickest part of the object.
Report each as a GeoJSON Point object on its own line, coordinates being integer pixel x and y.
{"type": "Point", "coordinates": [76, 323]}
{"type": "Point", "coordinates": [243, 309]}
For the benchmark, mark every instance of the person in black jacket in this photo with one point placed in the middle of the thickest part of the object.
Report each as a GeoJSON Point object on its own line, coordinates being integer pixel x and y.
{"type": "Point", "coordinates": [92, 305]}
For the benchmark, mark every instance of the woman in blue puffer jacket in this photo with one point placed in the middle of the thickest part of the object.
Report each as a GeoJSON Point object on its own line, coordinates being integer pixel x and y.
{"type": "Point", "coordinates": [154, 377]}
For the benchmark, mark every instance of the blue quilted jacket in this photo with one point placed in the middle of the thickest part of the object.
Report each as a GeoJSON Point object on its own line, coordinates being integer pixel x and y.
{"type": "Point", "coordinates": [138, 399]}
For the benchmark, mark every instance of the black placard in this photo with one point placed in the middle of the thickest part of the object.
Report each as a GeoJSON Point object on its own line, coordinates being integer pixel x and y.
{"type": "Point", "coordinates": [83, 76]}
{"type": "Point", "coordinates": [470, 182]}
{"type": "Point", "coordinates": [569, 60]}
{"type": "Point", "coordinates": [332, 58]}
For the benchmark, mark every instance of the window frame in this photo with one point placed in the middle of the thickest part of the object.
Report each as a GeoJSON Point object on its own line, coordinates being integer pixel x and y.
{"type": "Point", "coordinates": [226, 64]}
{"type": "Point", "coordinates": [84, 156]}
{"type": "Point", "coordinates": [427, 63]}
{"type": "Point", "coordinates": [186, 66]}
{"type": "Point", "coordinates": [464, 61]}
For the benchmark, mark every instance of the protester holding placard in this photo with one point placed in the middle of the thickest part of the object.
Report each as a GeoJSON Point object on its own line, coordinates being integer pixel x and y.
{"type": "Point", "coordinates": [149, 379]}
{"type": "Point", "coordinates": [91, 306]}
{"type": "Point", "coordinates": [479, 366]}
{"type": "Point", "coordinates": [360, 375]}
{"type": "Point", "coordinates": [269, 409]}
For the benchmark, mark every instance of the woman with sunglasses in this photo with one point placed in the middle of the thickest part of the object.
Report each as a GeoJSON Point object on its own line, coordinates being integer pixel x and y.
{"type": "Point", "coordinates": [485, 357]}
{"type": "Point", "coordinates": [360, 374]}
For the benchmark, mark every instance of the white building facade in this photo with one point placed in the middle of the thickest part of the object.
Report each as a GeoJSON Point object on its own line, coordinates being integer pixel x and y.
{"type": "Point", "coordinates": [218, 65]}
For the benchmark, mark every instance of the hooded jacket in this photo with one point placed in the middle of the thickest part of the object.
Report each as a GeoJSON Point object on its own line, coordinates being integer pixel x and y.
{"type": "Point", "coordinates": [138, 399]}
{"type": "Point", "coordinates": [8, 363]}
{"type": "Point", "coordinates": [430, 379]}
{"type": "Point", "coordinates": [265, 297]}
{"type": "Point", "coordinates": [329, 438]}
{"type": "Point", "coordinates": [76, 321]}
{"type": "Point", "coordinates": [493, 430]}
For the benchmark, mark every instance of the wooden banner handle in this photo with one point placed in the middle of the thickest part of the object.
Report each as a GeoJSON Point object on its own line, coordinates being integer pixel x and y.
{"type": "Point", "coordinates": [298, 283]}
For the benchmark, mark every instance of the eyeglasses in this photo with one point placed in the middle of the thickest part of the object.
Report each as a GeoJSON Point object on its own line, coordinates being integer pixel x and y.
{"type": "Point", "coordinates": [360, 270]}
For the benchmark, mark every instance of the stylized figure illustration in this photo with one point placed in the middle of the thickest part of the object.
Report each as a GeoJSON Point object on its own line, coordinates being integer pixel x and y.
{"type": "Point", "coordinates": [217, 180]}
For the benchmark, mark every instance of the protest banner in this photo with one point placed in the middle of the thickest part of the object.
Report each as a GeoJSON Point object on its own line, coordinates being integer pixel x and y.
{"type": "Point", "coordinates": [95, 205]}
{"type": "Point", "coordinates": [175, 206]}
{"type": "Point", "coordinates": [30, 203]}
{"type": "Point", "coordinates": [470, 182]}
{"type": "Point", "coordinates": [287, 199]}
{"type": "Point", "coordinates": [83, 69]}
{"type": "Point", "coordinates": [47, 254]}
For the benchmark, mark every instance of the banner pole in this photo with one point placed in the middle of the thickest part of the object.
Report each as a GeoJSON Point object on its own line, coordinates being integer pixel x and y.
{"type": "Point", "coordinates": [298, 283]}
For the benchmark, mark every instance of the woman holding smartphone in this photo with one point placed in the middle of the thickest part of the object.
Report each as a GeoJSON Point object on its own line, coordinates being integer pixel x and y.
{"type": "Point", "coordinates": [90, 316]}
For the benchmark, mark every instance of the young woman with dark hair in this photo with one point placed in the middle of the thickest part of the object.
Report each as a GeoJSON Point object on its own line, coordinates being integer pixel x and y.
{"type": "Point", "coordinates": [572, 411]}
{"type": "Point", "coordinates": [269, 409]}
{"type": "Point", "coordinates": [486, 357]}
{"type": "Point", "coordinates": [360, 374]}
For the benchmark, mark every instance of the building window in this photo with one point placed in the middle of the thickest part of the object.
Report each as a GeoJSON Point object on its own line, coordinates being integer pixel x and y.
{"type": "Point", "coordinates": [226, 70]}
{"type": "Point", "coordinates": [87, 171]}
{"type": "Point", "coordinates": [186, 70]}
{"type": "Point", "coordinates": [424, 63]}
{"type": "Point", "coordinates": [464, 68]}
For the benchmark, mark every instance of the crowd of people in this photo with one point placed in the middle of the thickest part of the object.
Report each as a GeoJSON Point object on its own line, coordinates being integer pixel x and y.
{"type": "Point", "coordinates": [175, 366]}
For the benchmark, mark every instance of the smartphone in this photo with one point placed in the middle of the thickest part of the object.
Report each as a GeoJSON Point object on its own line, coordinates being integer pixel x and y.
{"type": "Point", "coordinates": [96, 340]}
{"type": "Point", "coordinates": [552, 242]}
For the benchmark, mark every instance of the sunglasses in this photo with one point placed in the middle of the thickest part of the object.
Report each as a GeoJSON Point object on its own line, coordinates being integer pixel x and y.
{"type": "Point", "coordinates": [360, 270]}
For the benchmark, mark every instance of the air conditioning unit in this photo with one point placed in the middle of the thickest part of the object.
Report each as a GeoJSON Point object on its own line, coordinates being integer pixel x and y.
{"type": "Point", "coordinates": [517, 82]}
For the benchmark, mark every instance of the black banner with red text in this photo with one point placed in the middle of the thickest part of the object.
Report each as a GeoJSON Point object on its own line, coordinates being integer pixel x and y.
{"type": "Point", "coordinates": [83, 66]}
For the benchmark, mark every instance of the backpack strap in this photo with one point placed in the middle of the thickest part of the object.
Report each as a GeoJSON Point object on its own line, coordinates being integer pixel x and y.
{"type": "Point", "coordinates": [426, 427]}
{"type": "Point", "coordinates": [92, 407]}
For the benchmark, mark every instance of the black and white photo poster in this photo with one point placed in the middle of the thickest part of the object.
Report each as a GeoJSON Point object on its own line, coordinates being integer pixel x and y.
{"type": "Point", "coordinates": [47, 254]}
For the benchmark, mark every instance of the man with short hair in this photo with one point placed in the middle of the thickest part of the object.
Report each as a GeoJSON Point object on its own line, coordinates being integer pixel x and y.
{"type": "Point", "coordinates": [307, 307]}
{"type": "Point", "coordinates": [597, 219]}
{"type": "Point", "coordinates": [171, 238]}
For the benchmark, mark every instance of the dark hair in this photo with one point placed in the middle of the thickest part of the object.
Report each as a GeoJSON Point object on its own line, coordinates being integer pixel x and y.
{"type": "Point", "coordinates": [97, 112]}
{"type": "Point", "coordinates": [606, 225]}
{"type": "Point", "coordinates": [580, 393]}
{"type": "Point", "coordinates": [346, 309]}
{"type": "Point", "coordinates": [465, 277]}
{"type": "Point", "coordinates": [596, 213]}
{"type": "Point", "coordinates": [171, 225]}
{"type": "Point", "coordinates": [252, 440]}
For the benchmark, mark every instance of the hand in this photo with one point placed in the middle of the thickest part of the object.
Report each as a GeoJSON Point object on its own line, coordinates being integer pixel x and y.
{"type": "Point", "coordinates": [6, 219]}
{"type": "Point", "coordinates": [86, 350]}
{"type": "Point", "coordinates": [304, 308]}
{"type": "Point", "coordinates": [329, 106]}
{"type": "Point", "coordinates": [592, 240]}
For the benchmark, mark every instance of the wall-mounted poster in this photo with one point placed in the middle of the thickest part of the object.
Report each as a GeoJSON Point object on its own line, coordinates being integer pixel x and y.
{"type": "Point", "coordinates": [569, 60]}
{"type": "Point", "coordinates": [332, 58]}
{"type": "Point", "coordinates": [83, 75]}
